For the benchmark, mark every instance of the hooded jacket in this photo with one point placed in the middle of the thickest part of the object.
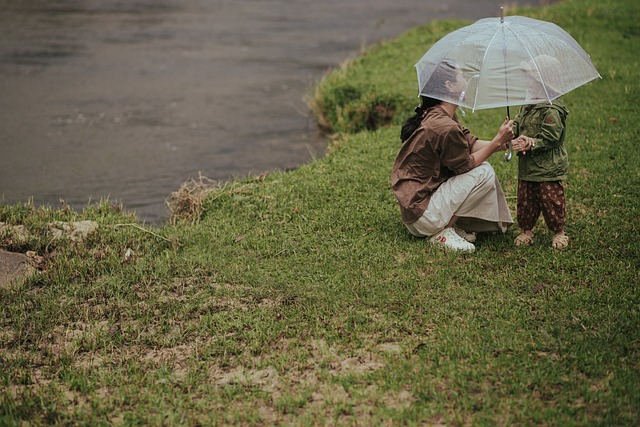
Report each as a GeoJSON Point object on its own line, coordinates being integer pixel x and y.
{"type": "Point", "coordinates": [547, 160]}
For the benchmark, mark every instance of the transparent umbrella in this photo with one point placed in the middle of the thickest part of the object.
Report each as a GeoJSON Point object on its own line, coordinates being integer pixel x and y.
{"type": "Point", "coordinates": [506, 61]}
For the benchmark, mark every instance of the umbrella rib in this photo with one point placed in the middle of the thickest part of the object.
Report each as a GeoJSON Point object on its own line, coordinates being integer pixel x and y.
{"type": "Point", "coordinates": [475, 100]}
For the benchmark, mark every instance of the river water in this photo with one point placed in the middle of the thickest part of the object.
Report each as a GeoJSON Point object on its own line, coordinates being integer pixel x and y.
{"type": "Point", "coordinates": [128, 99]}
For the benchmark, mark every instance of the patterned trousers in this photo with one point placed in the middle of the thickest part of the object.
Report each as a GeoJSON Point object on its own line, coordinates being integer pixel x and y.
{"type": "Point", "coordinates": [546, 197]}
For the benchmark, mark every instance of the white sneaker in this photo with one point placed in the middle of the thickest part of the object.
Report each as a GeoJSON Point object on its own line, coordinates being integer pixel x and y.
{"type": "Point", "coordinates": [449, 239]}
{"type": "Point", "coordinates": [468, 236]}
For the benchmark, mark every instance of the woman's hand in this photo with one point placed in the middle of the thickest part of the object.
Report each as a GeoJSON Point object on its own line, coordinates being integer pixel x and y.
{"type": "Point", "coordinates": [483, 149]}
{"type": "Point", "coordinates": [505, 133]}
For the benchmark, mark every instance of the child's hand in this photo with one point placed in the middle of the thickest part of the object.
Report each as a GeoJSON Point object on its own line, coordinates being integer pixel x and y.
{"type": "Point", "coordinates": [520, 143]}
{"type": "Point", "coordinates": [523, 144]}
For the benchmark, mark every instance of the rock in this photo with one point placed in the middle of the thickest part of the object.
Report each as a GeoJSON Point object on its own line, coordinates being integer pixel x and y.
{"type": "Point", "coordinates": [76, 231]}
{"type": "Point", "coordinates": [14, 268]}
{"type": "Point", "coordinates": [18, 233]}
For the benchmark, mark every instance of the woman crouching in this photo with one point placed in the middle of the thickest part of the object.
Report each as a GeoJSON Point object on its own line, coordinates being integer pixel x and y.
{"type": "Point", "coordinates": [445, 188]}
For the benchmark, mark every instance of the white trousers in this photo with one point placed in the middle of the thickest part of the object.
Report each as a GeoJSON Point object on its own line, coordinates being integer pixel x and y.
{"type": "Point", "coordinates": [475, 197]}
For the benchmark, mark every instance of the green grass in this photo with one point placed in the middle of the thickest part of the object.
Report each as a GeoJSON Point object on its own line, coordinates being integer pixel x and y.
{"type": "Point", "coordinates": [300, 298]}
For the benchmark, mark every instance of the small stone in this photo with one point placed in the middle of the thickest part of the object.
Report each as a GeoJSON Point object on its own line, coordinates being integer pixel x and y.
{"type": "Point", "coordinates": [14, 268]}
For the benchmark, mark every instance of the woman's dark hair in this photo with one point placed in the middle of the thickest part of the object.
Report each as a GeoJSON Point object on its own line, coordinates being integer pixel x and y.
{"type": "Point", "coordinates": [446, 71]}
{"type": "Point", "coordinates": [412, 123]}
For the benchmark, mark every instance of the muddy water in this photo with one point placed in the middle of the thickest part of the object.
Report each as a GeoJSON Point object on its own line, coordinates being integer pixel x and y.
{"type": "Point", "coordinates": [128, 99]}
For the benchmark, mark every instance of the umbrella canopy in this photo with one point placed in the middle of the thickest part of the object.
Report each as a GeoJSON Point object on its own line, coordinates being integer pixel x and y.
{"type": "Point", "coordinates": [513, 60]}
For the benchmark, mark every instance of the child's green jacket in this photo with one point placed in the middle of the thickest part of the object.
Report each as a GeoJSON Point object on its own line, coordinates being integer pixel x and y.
{"type": "Point", "coordinates": [547, 160]}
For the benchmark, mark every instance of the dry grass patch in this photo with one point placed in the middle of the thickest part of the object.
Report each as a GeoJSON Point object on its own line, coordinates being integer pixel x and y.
{"type": "Point", "coordinates": [186, 203]}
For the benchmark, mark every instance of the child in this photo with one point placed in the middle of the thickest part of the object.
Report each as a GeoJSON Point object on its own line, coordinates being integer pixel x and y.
{"type": "Point", "coordinates": [542, 165]}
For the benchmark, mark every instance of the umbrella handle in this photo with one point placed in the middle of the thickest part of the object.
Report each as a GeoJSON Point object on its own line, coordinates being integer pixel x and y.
{"type": "Point", "coordinates": [509, 153]}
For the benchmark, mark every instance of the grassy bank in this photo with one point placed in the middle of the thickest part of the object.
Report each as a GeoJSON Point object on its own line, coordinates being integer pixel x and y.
{"type": "Point", "coordinates": [299, 298]}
